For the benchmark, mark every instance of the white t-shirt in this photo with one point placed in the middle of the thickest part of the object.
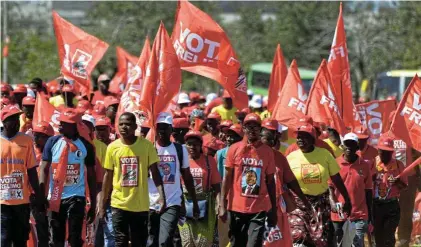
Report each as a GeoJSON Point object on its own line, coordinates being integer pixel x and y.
{"type": "Point", "coordinates": [170, 172]}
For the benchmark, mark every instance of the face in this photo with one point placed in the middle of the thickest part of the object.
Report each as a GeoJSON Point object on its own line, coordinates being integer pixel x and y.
{"type": "Point", "coordinates": [222, 134]}
{"type": "Point", "coordinates": [28, 110]}
{"type": "Point", "coordinates": [194, 146]}
{"type": "Point", "coordinates": [232, 137]}
{"type": "Point", "coordinates": [350, 147]}
{"type": "Point", "coordinates": [40, 139]}
{"type": "Point", "coordinates": [104, 86]}
{"type": "Point", "coordinates": [179, 133]}
{"type": "Point", "coordinates": [166, 169]}
{"type": "Point", "coordinates": [163, 131]}
{"type": "Point", "coordinates": [241, 117]}
{"type": "Point", "coordinates": [228, 103]}
{"type": "Point", "coordinates": [111, 111]}
{"type": "Point", "coordinates": [251, 178]}
{"type": "Point", "coordinates": [33, 87]}
{"type": "Point", "coordinates": [144, 131]}
{"type": "Point", "coordinates": [268, 137]}
{"type": "Point", "coordinates": [252, 131]}
{"type": "Point", "coordinates": [385, 156]}
{"type": "Point", "coordinates": [89, 125]}
{"type": "Point", "coordinates": [102, 133]}
{"type": "Point", "coordinates": [304, 140]}
{"type": "Point", "coordinates": [67, 129]}
{"type": "Point", "coordinates": [127, 126]}
{"type": "Point", "coordinates": [212, 124]}
{"type": "Point", "coordinates": [334, 137]}
{"type": "Point", "coordinates": [5, 94]}
{"type": "Point", "coordinates": [11, 124]}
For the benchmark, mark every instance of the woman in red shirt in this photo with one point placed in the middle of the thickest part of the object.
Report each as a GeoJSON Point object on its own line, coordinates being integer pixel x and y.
{"type": "Point", "coordinates": [207, 183]}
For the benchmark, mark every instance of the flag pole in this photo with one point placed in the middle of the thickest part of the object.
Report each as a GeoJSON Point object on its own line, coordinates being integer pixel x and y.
{"type": "Point", "coordinates": [5, 40]}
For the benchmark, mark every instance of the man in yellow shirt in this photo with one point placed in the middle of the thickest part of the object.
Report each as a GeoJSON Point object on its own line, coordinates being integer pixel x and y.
{"type": "Point", "coordinates": [126, 165]}
{"type": "Point", "coordinates": [226, 110]}
{"type": "Point", "coordinates": [334, 141]}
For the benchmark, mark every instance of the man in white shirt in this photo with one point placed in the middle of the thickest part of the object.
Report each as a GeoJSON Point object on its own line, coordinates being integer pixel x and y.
{"type": "Point", "coordinates": [162, 226]}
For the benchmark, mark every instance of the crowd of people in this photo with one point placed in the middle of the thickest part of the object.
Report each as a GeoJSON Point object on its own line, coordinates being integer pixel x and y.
{"type": "Point", "coordinates": [214, 175]}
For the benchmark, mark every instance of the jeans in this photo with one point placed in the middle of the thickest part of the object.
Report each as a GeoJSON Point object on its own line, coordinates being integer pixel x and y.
{"type": "Point", "coordinates": [386, 220]}
{"type": "Point", "coordinates": [246, 229]}
{"type": "Point", "coordinates": [133, 224]}
{"type": "Point", "coordinates": [105, 232]}
{"type": "Point", "coordinates": [162, 226]}
{"type": "Point", "coordinates": [15, 225]}
{"type": "Point", "coordinates": [361, 228]}
{"type": "Point", "coordinates": [72, 211]}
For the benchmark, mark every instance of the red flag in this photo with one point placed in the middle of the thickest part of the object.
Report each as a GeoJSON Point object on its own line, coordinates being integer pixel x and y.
{"type": "Point", "coordinates": [374, 116]}
{"type": "Point", "coordinates": [277, 78]}
{"type": "Point", "coordinates": [290, 106]}
{"type": "Point", "coordinates": [78, 51]}
{"type": "Point", "coordinates": [163, 76]}
{"type": "Point", "coordinates": [322, 105]}
{"type": "Point", "coordinates": [44, 111]}
{"type": "Point", "coordinates": [203, 48]}
{"type": "Point", "coordinates": [339, 69]}
{"type": "Point", "coordinates": [407, 120]}
{"type": "Point", "coordinates": [137, 73]}
{"type": "Point", "coordinates": [125, 62]}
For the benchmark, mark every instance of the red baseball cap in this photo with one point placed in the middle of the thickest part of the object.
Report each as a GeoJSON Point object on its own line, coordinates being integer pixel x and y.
{"type": "Point", "coordinates": [53, 88]}
{"type": "Point", "coordinates": [225, 123]}
{"type": "Point", "coordinates": [308, 128]}
{"type": "Point", "coordinates": [69, 115]}
{"type": "Point", "coordinates": [214, 115]}
{"type": "Point", "coordinates": [225, 94]}
{"type": "Point", "coordinates": [270, 124]}
{"type": "Point", "coordinates": [110, 100]}
{"type": "Point", "coordinates": [194, 95]}
{"type": "Point", "coordinates": [361, 132]}
{"type": "Point", "coordinates": [20, 88]}
{"type": "Point", "coordinates": [102, 121]}
{"type": "Point", "coordinates": [44, 128]}
{"type": "Point", "coordinates": [237, 129]}
{"type": "Point", "coordinates": [67, 88]}
{"type": "Point", "coordinates": [243, 111]}
{"type": "Point", "coordinates": [193, 133]}
{"type": "Point", "coordinates": [179, 114]}
{"type": "Point", "coordinates": [182, 123]}
{"type": "Point", "coordinates": [386, 142]}
{"type": "Point", "coordinates": [212, 145]}
{"type": "Point", "coordinates": [8, 111]}
{"type": "Point", "coordinates": [252, 117]}
{"type": "Point", "coordinates": [28, 100]}
{"type": "Point", "coordinates": [306, 120]}
{"type": "Point", "coordinates": [5, 87]}
{"type": "Point", "coordinates": [83, 105]}
{"type": "Point", "coordinates": [99, 110]}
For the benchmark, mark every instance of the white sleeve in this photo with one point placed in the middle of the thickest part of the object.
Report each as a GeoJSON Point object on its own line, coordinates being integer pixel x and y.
{"type": "Point", "coordinates": [185, 158]}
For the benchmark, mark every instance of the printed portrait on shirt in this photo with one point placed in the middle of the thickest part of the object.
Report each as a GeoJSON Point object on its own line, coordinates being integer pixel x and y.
{"type": "Point", "coordinates": [167, 166]}
{"type": "Point", "coordinates": [250, 181]}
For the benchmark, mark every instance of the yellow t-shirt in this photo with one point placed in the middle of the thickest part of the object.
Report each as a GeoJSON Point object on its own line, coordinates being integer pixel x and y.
{"type": "Point", "coordinates": [265, 114]}
{"type": "Point", "coordinates": [58, 100]}
{"type": "Point", "coordinates": [313, 170]}
{"type": "Point", "coordinates": [336, 150]}
{"type": "Point", "coordinates": [100, 150]}
{"type": "Point", "coordinates": [226, 114]}
{"type": "Point", "coordinates": [284, 145]}
{"type": "Point", "coordinates": [130, 164]}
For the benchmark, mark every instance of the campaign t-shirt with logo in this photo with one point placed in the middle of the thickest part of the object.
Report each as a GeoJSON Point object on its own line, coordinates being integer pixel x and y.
{"type": "Point", "coordinates": [169, 168]}
{"type": "Point", "coordinates": [357, 178]}
{"type": "Point", "coordinates": [17, 156]}
{"type": "Point", "coordinates": [199, 172]}
{"type": "Point", "coordinates": [74, 184]}
{"type": "Point", "coordinates": [251, 164]}
{"type": "Point", "coordinates": [382, 188]}
{"type": "Point", "coordinates": [130, 164]}
{"type": "Point", "coordinates": [402, 152]}
{"type": "Point", "coordinates": [313, 169]}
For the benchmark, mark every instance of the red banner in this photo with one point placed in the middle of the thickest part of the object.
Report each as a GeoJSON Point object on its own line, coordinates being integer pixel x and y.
{"type": "Point", "coordinates": [137, 73]}
{"type": "Point", "coordinates": [79, 52]}
{"type": "Point", "coordinates": [277, 78]}
{"type": "Point", "coordinates": [374, 117]}
{"type": "Point", "coordinates": [44, 111]}
{"type": "Point", "coordinates": [203, 48]}
{"type": "Point", "coordinates": [125, 62]}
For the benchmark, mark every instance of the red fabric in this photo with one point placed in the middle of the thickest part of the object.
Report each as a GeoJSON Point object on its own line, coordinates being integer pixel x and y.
{"type": "Point", "coordinates": [369, 154]}
{"type": "Point", "coordinates": [357, 178]}
{"type": "Point", "coordinates": [243, 157]}
{"type": "Point", "coordinates": [277, 78]}
{"type": "Point", "coordinates": [322, 105]}
{"type": "Point", "coordinates": [214, 103]}
{"type": "Point", "coordinates": [208, 138]}
{"type": "Point", "coordinates": [137, 73]}
{"type": "Point", "coordinates": [283, 171]}
{"type": "Point", "coordinates": [44, 111]}
{"type": "Point", "coordinates": [281, 234]}
{"type": "Point", "coordinates": [338, 66]}
{"type": "Point", "coordinates": [290, 107]}
{"type": "Point", "coordinates": [382, 188]}
{"type": "Point", "coordinates": [79, 52]}
{"type": "Point", "coordinates": [216, 57]}
{"type": "Point", "coordinates": [163, 78]}
{"type": "Point", "coordinates": [319, 143]}
{"type": "Point", "coordinates": [99, 98]}
{"type": "Point", "coordinates": [125, 63]}
{"type": "Point", "coordinates": [200, 173]}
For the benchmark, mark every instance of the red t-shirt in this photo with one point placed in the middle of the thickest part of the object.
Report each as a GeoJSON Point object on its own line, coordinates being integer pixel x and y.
{"type": "Point", "coordinates": [200, 173]}
{"type": "Point", "coordinates": [369, 154]}
{"type": "Point", "coordinates": [319, 143]}
{"type": "Point", "coordinates": [284, 174]}
{"type": "Point", "coordinates": [251, 164]}
{"type": "Point", "coordinates": [357, 178]}
{"type": "Point", "coordinates": [382, 188]}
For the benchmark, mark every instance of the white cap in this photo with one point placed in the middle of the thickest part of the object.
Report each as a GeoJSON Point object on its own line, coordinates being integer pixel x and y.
{"type": "Point", "coordinates": [210, 97]}
{"type": "Point", "coordinates": [164, 117]}
{"type": "Point", "coordinates": [282, 128]}
{"type": "Point", "coordinates": [350, 137]}
{"type": "Point", "coordinates": [256, 101]}
{"type": "Point", "coordinates": [183, 98]}
{"type": "Point", "coordinates": [89, 118]}
{"type": "Point", "coordinates": [250, 92]}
